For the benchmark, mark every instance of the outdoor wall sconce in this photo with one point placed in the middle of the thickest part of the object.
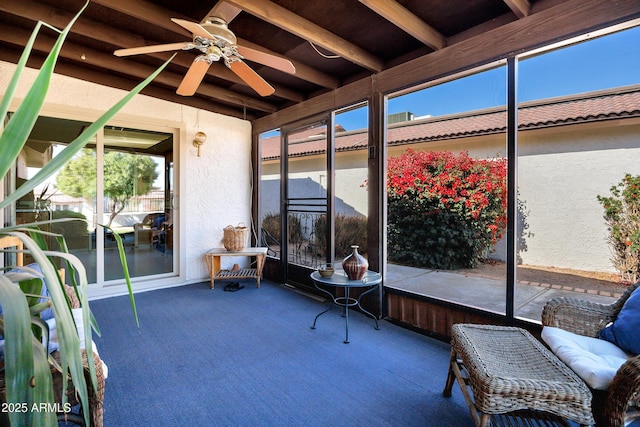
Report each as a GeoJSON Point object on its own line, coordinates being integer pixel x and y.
{"type": "Point", "coordinates": [198, 140]}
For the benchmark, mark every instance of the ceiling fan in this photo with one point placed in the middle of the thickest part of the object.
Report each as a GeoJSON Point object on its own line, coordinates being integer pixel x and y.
{"type": "Point", "coordinates": [217, 42]}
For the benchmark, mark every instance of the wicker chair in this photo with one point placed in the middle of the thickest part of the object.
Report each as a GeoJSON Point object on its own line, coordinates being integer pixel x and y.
{"type": "Point", "coordinates": [96, 398]}
{"type": "Point", "coordinates": [613, 406]}
{"type": "Point", "coordinates": [144, 232]}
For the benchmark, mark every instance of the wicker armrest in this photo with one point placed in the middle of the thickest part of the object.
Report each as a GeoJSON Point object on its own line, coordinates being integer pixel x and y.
{"type": "Point", "coordinates": [96, 397]}
{"type": "Point", "coordinates": [71, 295]}
{"type": "Point", "coordinates": [578, 316]}
{"type": "Point", "coordinates": [581, 316]}
{"type": "Point", "coordinates": [624, 390]}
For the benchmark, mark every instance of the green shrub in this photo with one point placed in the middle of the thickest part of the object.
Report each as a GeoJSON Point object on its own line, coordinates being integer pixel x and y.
{"type": "Point", "coordinates": [445, 211]}
{"type": "Point", "coordinates": [349, 230]}
{"type": "Point", "coordinates": [271, 224]}
{"type": "Point", "coordinates": [74, 232]}
{"type": "Point", "coordinates": [622, 215]}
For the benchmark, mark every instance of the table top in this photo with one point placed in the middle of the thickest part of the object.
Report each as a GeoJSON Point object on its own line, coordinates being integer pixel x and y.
{"type": "Point", "coordinates": [513, 369]}
{"type": "Point", "coordinates": [245, 252]}
{"type": "Point", "coordinates": [340, 279]}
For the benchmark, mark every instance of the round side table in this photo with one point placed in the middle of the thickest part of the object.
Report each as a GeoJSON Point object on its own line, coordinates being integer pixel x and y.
{"type": "Point", "coordinates": [339, 279]}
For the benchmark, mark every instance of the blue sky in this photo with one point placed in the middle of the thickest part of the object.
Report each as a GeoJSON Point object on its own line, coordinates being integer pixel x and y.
{"type": "Point", "coordinates": [601, 63]}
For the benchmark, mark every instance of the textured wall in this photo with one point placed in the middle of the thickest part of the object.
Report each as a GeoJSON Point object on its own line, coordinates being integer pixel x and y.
{"type": "Point", "coordinates": [214, 189]}
{"type": "Point", "coordinates": [561, 171]}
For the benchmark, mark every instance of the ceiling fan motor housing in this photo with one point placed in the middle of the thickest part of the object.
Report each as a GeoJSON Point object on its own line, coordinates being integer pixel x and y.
{"type": "Point", "coordinates": [217, 27]}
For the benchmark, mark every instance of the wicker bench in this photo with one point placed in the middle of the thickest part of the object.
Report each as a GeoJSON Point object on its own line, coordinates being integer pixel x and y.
{"type": "Point", "coordinates": [510, 373]}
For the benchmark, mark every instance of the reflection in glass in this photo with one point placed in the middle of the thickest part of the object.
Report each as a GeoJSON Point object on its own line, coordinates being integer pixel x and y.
{"type": "Point", "coordinates": [351, 175]}
{"type": "Point", "coordinates": [306, 195]}
{"type": "Point", "coordinates": [137, 189]}
{"type": "Point", "coordinates": [269, 215]}
{"type": "Point", "coordinates": [566, 169]}
{"type": "Point", "coordinates": [446, 191]}
{"type": "Point", "coordinates": [69, 194]}
{"type": "Point", "coordinates": [137, 203]}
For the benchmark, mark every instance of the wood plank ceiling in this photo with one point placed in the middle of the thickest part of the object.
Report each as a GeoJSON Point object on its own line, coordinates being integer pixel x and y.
{"type": "Point", "coordinates": [332, 43]}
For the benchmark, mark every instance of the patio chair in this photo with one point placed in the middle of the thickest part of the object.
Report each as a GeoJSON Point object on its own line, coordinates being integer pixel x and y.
{"type": "Point", "coordinates": [145, 231]}
{"type": "Point", "coordinates": [96, 397]}
{"type": "Point", "coordinates": [615, 402]}
{"type": "Point", "coordinates": [268, 240]}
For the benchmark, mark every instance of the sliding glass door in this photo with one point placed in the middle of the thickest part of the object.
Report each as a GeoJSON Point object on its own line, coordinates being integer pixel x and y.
{"type": "Point", "coordinates": [136, 200]}
{"type": "Point", "coordinates": [119, 184]}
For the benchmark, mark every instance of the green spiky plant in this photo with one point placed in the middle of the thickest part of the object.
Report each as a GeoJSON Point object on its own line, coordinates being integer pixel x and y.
{"type": "Point", "coordinates": [27, 371]}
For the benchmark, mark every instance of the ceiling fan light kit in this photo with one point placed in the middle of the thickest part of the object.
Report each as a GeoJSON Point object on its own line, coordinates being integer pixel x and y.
{"type": "Point", "coordinates": [216, 41]}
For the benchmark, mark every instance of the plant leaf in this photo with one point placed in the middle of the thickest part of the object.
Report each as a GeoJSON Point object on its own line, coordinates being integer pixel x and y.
{"type": "Point", "coordinates": [18, 350]}
{"type": "Point", "coordinates": [19, 127]}
{"type": "Point", "coordinates": [31, 287]}
{"type": "Point", "coordinates": [76, 145]}
{"type": "Point", "coordinates": [43, 390]}
{"type": "Point", "coordinates": [125, 268]}
{"type": "Point", "coordinates": [11, 87]}
{"type": "Point", "coordinates": [70, 352]}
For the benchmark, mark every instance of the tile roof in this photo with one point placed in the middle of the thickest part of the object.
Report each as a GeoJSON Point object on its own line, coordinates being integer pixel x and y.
{"type": "Point", "coordinates": [595, 106]}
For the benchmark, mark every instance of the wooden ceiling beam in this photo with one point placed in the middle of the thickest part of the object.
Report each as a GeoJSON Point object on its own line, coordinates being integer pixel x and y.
{"type": "Point", "coordinates": [228, 12]}
{"type": "Point", "coordinates": [66, 68]}
{"type": "Point", "coordinates": [80, 55]}
{"type": "Point", "coordinates": [307, 30]}
{"type": "Point", "coordinates": [310, 74]}
{"type": "Point", "coordinates": [560, 21]}
{"type": "Point", "coordinates": [223, 10]}
{"type": "Point", "coordinates": [521, 8]}
{"type": "Point", "coordinates": [204, 103]}
{"type": "Point", "coordinates": [161, 17]}
{"type": "Point", "coordinates": [148, 12]}
{"type": "Point", "coordinates": [404, 19]}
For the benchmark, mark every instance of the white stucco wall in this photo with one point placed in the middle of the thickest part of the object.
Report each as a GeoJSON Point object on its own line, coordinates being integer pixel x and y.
{"type": "Point", "coordinates": [350, 177]}
{"type": "Point", "coordinates": [560, 175]}
{"type": "Point", "coordinates": [214, 189]}
{"type": "Point", "coordinates": [561, 171]}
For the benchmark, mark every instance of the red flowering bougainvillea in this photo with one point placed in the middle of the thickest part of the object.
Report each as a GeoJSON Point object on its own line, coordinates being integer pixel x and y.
{"type": "Point", "coordinates": [444, 210]}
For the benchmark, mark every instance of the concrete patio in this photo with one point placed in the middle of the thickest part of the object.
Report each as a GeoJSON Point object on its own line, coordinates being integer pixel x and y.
{"type": "Point", "coordinates": [485, 292]}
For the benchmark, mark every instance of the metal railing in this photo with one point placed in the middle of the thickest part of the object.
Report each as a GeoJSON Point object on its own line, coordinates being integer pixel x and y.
{"type": "Point", "coordinates": [303, 233]}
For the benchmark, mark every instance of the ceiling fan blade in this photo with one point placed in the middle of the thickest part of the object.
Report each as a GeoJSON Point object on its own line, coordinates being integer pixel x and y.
{"type": "Point", "coordinates": [193, 27]}
{"type": "Point", "coordinates": [267, 59]}
{"type": "Point", "coordinates": [252, 78]}
{"type": "Point", "coordinates": [192, 79]}
{"type": "Point", "coordinates": [151, 49]}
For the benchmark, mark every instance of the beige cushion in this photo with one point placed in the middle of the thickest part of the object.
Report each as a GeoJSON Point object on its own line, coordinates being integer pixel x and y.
{"type": "Point", "coordinates": [596, 361]}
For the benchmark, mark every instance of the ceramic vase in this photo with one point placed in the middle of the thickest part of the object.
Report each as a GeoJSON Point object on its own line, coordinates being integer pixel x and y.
{"type": "Point", "coordinates": [355, 265]}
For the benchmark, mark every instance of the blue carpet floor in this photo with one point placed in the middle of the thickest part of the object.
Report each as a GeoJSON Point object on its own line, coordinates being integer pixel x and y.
{"type": "Point", "coordinates": [207, 357]}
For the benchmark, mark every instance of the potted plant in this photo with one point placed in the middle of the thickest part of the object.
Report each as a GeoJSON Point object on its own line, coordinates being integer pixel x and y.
{"type": "Point", "coordinates": [27, 371]}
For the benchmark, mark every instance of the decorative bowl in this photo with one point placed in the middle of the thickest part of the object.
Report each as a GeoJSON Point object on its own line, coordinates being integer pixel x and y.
{"type": "Point", "coordinates": [326, 270]}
